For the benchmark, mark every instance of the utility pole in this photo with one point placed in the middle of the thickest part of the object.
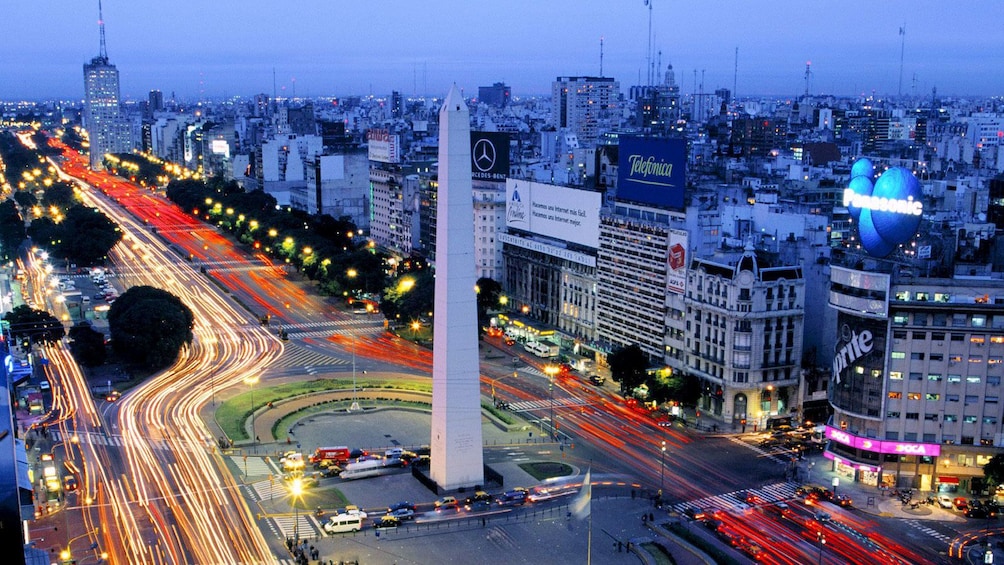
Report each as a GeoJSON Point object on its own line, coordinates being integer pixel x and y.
{"type": "Point", "coordinates": [902, 49]}
{"type": "Point", "coordinates": [649, 52]}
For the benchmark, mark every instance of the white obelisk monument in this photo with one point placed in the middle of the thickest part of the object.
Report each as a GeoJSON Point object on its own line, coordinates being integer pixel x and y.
{"type": "Point", "coordinates": [457, 456]}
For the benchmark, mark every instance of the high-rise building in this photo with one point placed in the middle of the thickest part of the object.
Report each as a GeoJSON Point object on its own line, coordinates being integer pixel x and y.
{"type": "Point", "coordinates": [106, 130]}
{"type": "Point", "coordinates": [156, 101]}
{"type": "Point", "coordinates": [587, 106]}
{"type": "Point", "coordinates": [497, 95]}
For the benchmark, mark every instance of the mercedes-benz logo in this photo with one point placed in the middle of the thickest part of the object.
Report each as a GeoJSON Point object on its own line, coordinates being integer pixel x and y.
{"type": "Point", "coordinates": [484, 155]}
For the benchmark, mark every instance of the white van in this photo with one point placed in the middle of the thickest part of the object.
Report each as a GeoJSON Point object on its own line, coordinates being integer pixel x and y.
{"type": "Point", "coordinates": [342, 523]}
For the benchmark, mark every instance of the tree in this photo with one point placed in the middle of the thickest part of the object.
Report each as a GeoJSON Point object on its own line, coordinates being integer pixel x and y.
{"type": "Point", "coordinates": [87, 345]}
{"type": "Point", "coordinates": [410, 297]}
{"type": "Point", "coordinates": [102, 235]}
{"type": "Point", "coordinates": [26, 323]}
{"type": "Point", "coordinates": [25, 199]}
{"type": "Point", "coordinates": [994, 470]}
{"type": "Point", "coordinates": [11, 230]}
{"type": "Point", "coordinates": [61, 239]}
{"type": "Point", "coordinates": [488, 299]}
{"type": "Point", "coordinates": [628, 366]}
{"type": "Point", "coordinates": [60, 195]}
{"type": "Point", "coordinates": [149, 326]}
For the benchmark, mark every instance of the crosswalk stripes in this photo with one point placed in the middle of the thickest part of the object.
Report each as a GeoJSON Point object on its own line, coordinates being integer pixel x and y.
{"type": "Point", "coordinates": [253, 466]}
{"type": "Point", "coordinates": [108, 440]}
{"type": "Point", "coordinates": [736, 500]}
{"type": "Point", "coordinates": [502, 538]}
{"type": "Point", "coordinates": [304, 525]}
{"type": "Point", "coordinates": [782, 457]}
{"type": "Point", "coordinates": [294, 356]}
{"type": "Point", "coordinates": [929, 531]}
{"type": "Point", "coordinates": [528, 405]}
{"type": "Point", "coordinates": [270, 489]}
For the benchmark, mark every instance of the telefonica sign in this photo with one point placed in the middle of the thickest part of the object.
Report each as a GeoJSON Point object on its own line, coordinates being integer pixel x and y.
{"type": "Point", "coordinates": [651, 171]}
{"type": "Point", "coordinates": [887, 210]}
{"type": "Point", "coordinates": [879, 446]}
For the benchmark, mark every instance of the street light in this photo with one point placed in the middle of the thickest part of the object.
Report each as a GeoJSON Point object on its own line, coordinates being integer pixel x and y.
{"type": "Point", "coordinates": [821, 538]}
{"type": "Point", "coordinates": [251, 381]}
{"type": "Point", "coordinates": [296, 489]}
{"type": "Point", "coordinates": [415, 326]}
{"type": "Point", "coordinates": [662, 470]}
{"type": "Point", "coordinates": [551, 371]}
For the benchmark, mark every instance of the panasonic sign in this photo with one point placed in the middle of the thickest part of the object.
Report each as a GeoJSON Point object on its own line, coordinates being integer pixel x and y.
{"type": "Point", "coordinates": [887, 209]}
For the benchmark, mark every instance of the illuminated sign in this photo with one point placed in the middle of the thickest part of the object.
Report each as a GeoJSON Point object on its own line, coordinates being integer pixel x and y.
{"type": "Point", "coordinates": [887, 210]}
{"type": "Point", "coordinates": [651, 170]}
{"type": "Point", "coordinates": [383, 146]}
{"type": "Point", "coordinates": [858, 345]}
{"type": "Point", "coordinates": [676, 274]}
{"type": "Point", "coordinates": [489, 155]}
{"type": "Point", "coordinates": [878, 446]}
{"type": "Point", "coordinates": [567, 214]}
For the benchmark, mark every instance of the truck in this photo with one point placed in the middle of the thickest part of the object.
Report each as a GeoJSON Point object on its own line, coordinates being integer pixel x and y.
{"type": "Point", "coordinates": [541, 349]}
{"type": "Point", "coordinates": [339, 455]}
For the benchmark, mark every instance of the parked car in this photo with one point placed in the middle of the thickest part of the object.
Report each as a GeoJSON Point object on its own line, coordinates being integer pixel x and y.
{"type": "Point", "coordinates": [944, 501]}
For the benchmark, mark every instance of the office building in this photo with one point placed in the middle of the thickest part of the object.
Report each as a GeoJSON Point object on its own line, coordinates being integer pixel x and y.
{"type": "Point", "coordinates": [497, 95]}
{"type": "Point", "coordinates": [107, 131]}
{"type": "Point", "coordinates": [586, 106]}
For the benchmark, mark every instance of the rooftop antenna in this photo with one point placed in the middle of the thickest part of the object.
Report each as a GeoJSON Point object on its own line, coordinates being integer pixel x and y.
{"type": "Point", "coordinates": [648, 66]}
{"type": "Point", "coordinates": [735, 73]}
{"type": "Point", "coordinates": [273, 83]}
{"type": "Point", "coordinates": [601, 56]}
{"type": "Point", "coordinates": [808, 73]}
{"type": "Point", "coordinates": [103, 51]}
{"type": "Point", "coordinates": [902, 48]}
{"type": "Point", "coordinates": [658, 69]}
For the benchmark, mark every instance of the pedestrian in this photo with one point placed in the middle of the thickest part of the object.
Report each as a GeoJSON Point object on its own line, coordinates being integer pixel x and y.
{"type": "Point", "coordinates": [651, 517]}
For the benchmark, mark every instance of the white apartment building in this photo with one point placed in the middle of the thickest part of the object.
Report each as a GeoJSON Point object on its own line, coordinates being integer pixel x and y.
{"type": "Point", "coordinates": [586, 106]}
{"type": "Point", "coordinates": [742, 331]}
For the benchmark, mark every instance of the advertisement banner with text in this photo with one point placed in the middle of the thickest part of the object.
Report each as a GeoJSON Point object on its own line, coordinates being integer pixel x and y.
{"type": "Point", "coordinates": [652, 171]}
{"type": "Point", "coordinates": [489, 155]}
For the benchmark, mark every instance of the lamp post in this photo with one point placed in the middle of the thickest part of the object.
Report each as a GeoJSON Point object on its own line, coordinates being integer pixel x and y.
{"type": "Point", "coordinates": [251, 381]}
{"type": "Point", "coordinates": [296, 489]}
{"type": "Point", "coordinates": [551, 371]}
{"type": "Point", "coordinates": [415, 326]}
{"type": "Point", "coordinates": [662, 470]}
{"type": "Point", "coordinates": [66, 555]}
{"type": "Point", "coordinates": [821, 538]}
{"type": "Point", "coordinates": [355, 401]}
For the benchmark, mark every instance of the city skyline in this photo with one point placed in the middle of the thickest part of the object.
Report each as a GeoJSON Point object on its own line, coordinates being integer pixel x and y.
{"type": "Point", "coordinates": [215, 50]}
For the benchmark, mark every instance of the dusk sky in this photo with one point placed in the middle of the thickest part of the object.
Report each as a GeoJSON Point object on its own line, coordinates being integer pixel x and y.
{"type": "Point", "coordinates": [331, 48]}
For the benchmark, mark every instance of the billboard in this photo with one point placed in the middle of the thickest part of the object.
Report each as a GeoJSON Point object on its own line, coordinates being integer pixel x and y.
{"type": "Point", "coordinates": [489, 155]}
{"type": "Point", "coordinates": [652, 171]}
{"type": "Point", "coordinates": [383, 146]}
{"type": "Point", "coordinates": [676, 262]}
{"type": "Point", "coordinates": [887, 210]}
{"type": "Point", "coordinates": [568, 214]}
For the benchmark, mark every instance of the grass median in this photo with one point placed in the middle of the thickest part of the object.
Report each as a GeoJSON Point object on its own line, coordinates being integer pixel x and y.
{"type": "Point", "coordinates": [232, 413]}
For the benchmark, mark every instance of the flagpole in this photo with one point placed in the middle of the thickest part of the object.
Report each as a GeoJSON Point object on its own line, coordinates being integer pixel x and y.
{"type": "Point", "coordinates": [589, 540]}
